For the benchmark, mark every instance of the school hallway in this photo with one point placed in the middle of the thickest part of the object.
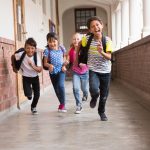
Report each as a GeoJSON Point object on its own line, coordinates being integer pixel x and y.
{"type": "Point", "coordinates": [127, 128]}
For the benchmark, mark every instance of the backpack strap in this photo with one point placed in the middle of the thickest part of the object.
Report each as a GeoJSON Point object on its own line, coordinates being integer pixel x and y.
{"type": "Point", "coordinates": [35, 58]}
{"type": "Point", "coordinates": [104, 46]}
{"type": "Point", "coordinates": [18, 63]}
{"type": "Point", "coordinates": [19, 50]}
{"type": "Point", "coordinates": [104, 43]}
{"type": "Point", "coordinates": [89, 41]}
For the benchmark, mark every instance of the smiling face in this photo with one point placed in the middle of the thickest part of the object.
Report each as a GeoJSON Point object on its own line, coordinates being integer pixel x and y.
{"type": "Point", "coordinates": [96, 28]}
{"type": "Point", "coordinates": [52, 43]}
{"type": "Point", "coordinates": [76, 39]}
{"type": "Point", "coordinates": [30, 50]}
{"type": "Point", "coordinates": [30, 47]}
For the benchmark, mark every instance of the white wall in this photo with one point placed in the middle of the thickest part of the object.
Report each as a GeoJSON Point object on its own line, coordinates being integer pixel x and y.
{"type": "Point", "coordinates": [6, 19]}
{"type": "Point", "coordinates": [103, 15]}
{"type": "Point", "coordinates": [37, 24]}
{"type": "Point", "coordinates": [68, 27]}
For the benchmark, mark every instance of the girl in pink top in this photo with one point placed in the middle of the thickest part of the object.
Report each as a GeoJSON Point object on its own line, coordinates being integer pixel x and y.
{"type": "Point", "coordinates": [80, 74]}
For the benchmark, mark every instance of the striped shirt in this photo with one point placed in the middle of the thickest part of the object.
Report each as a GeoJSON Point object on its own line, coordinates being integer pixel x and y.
{"type": "Point", "coordinates": [96, 62]}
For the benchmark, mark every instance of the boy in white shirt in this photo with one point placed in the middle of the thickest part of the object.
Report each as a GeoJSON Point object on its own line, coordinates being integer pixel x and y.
{"type": "Point", "coordinates": [30, 70]}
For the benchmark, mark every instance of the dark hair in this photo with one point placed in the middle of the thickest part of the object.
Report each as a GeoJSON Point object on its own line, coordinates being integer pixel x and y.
{"type": "Point", "coordinates": [52, 35]}
{"type": "Point", "coordinates": [92, 19]}
{"type": "Point", "coordinates": [31, 42]}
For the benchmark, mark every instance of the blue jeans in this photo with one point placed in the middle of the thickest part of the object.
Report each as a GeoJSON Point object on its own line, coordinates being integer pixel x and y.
{"type": "Point", "coordinates": [99, 86]}
{"type": "Point", "coordinates": [80, 81]}
{"type": "Point", "coordinates": [58, 82]}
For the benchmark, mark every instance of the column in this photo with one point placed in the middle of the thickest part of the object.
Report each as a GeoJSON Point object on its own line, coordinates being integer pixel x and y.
{"type": "Point", "coordinates": [134, 21]}
{"type": "Point", "coordinates": [146, 18]}
{"type": "Point", "coordinates": [124, 22]}
{"type": "Point", "coordinates": [118, 29]}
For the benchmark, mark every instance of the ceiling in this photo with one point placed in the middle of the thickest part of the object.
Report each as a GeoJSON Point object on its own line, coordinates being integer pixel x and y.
{"type": "Point", "coordinates": [107, 2]}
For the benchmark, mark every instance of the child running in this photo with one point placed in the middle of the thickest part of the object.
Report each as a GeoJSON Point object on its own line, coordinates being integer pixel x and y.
{"type": "Point", "coordinates": [54, 60]}
{"type": "Point", "coordinates": [80, 74]}
{"type": "Point", "coordinates": [30, 70]}
{"type": "Point", "coordinates": [99, 56]}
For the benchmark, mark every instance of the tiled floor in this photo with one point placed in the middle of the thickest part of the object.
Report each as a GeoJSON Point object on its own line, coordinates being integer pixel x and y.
{"type": "Point", "coordinates": [128, 127]}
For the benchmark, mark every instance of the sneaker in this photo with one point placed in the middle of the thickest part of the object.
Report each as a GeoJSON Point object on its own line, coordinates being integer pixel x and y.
{"type": "Point", "coordinates": [84, 98]}
{"type": "Point", "coordinates": [62, 108]}
{"type": "Point", "coordinates": [34, 111]}
{"type": "Point", "coordinates": [93, 102]}
{"type": "Point", "coordinates": [103, 117]}
{"type": "Point", "coordinates": [78, 110]}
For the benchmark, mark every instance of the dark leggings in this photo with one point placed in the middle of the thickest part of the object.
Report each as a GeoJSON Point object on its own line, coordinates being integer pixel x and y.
{"type": "Point", "coordinates": [29, 84]}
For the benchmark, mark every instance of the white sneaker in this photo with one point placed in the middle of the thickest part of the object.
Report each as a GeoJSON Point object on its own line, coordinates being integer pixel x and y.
{"type": "Point", "coordinates": [34, 111]}
{"type": "Point", "coordinates": [62, 110]}
{"type": "Point", "coordinates": [78, 110]}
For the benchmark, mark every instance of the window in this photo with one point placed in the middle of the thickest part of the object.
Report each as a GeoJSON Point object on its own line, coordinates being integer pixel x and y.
{"type": "Point", "coordinates": [81, 17]}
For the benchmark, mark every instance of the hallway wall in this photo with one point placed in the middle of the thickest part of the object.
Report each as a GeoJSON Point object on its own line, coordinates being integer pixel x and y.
{"type": "Point", "coordinates": [36, 24]}
{"type": "Point", "coordinates": [8, 79]}
{"type": "Point", "coordinates": [8, 83]}
{"type": "Point", "coordinates": [132, 66]}
{"type": "Point", "coordinates": [6, 19]}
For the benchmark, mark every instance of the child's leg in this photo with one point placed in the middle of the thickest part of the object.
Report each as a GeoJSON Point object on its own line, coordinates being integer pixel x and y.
{"type": "Point", "coordinates": [76, 89]}
{"type": "Point", "coordinates": [54, 80]}
{"type": "Point", "coordinates": [61, 87]}
{"type": "Point", "coordinates": [104, 89]}
{"type": "Point", "coordinates": [27, 87]}
{"type": "Point", "coordinates": [85, 84]}
{"type": "Point", "coordinates": [36, 91]}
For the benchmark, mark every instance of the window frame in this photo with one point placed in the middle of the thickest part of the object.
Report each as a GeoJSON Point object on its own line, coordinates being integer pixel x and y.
{"type": "Point", "coordinates": [81, 16]}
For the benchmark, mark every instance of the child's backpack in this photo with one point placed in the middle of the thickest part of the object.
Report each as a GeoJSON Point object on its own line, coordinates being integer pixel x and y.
{"type": "Point", "coordinates": [63, 50]}
{"type": "Point", "coordinates": [17, 63]}
{"type": "Point", "coordinates": [83, 50]}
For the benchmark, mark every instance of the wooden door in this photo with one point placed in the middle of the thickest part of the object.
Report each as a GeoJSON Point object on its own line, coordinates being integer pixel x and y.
{"type": "Point", "coordinates": [20, 36]}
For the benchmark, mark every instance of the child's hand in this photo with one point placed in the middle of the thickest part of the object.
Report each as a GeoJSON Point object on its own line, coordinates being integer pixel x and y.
{"type": "Point", "coordinates": [66, 62]}
{"type": "Point", "coordinates": [64, 68]}
{"type": "Point", "coordinates": [51, 68]}
{"type": "Point", "coordinates": [30, 63]}
{"type": "Point", "coordinates": [82, 65]}
{"type": "Point", "coordinates": [15, 70]}
{"type": "Point", "coordinates": [100, 48]}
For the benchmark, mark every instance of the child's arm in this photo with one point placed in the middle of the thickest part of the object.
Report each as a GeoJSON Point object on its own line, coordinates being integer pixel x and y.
{"type": "Point", "coordinates": [65, 59]}
{"type": "Point", "coordinates": [36, 68]}
{"type": "Point", "coordinates": [48, 65]}
{"type": "Point", "coordinates": [64, 69]}
{"type": "Point", "coordinates": [106, 55]}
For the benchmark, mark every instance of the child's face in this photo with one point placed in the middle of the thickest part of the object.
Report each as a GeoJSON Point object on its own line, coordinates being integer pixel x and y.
{"type": "Point", "coordinates": [76, 39]}
{"type": "Point", "coordinates": [52, 43]}
{"type": "Point", "coordinates": [96, 28]}
{"type": "Point", "coordinates": [30, 50]}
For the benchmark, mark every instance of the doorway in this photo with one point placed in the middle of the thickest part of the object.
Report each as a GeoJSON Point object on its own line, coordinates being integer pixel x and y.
{"type": "Point", "coordinates": [20, 37]}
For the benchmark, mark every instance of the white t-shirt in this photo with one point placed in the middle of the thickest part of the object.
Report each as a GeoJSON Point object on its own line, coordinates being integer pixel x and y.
{"type": "Point", "coordinates": [25, 69]}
